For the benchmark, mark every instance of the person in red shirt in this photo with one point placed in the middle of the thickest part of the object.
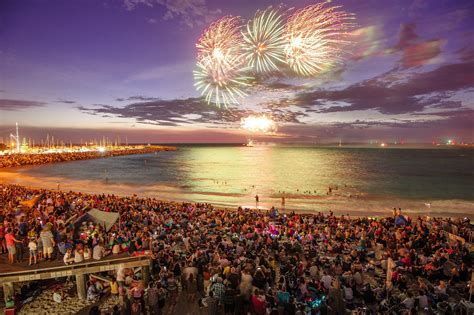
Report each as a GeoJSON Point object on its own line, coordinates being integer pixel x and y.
{"type": "Point", "coordinates": [11, 240]}
{"type": "Point", "coordinates": [258, 302]}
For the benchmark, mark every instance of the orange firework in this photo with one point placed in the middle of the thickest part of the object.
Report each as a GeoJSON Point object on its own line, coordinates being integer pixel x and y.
{"type": "Point", "coordinates": [221, 72]}
{"type": "Point", "coordinates": [316, 37]}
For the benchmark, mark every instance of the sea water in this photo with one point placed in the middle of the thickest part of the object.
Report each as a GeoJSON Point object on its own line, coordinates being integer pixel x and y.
{"type": "Point", "coordinates": [342, 179]}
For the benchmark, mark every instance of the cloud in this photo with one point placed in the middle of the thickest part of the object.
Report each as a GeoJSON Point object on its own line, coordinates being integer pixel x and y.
{"type": "Point", "coordinates": [415, 51]}
{"type": "Point", "coordinates": [16, 105]}
{"type": "Point", "coordinates": [66, 101]}
{"type": "Point", "coordinates": [466, 53]}
{"type": "Point", "coordinates": [191, 12]}
{"type": "Point", "coordinates": [138, 98]}
{"type": "Point", "coordinates": [395, 93]}
{"type": "Point", "coordinates": [179, 112]}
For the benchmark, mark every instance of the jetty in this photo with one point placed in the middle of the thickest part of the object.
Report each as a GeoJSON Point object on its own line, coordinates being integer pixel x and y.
{"type": "Point", "coordinates": [17, 273]}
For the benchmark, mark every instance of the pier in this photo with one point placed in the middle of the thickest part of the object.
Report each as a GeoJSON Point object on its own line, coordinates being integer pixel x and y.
{"type": "Point", "coordinates": [11, 274]}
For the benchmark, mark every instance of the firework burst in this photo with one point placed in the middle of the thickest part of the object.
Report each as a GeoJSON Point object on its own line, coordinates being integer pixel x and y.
{"type": "Point", "coordinates": [221, 73]}
{"type": "Point", "coordinates": [258, 124]}
{"type": "Point", "coordinates": [264, 42]}
{"type": "Point", "coordinates": [316, 38]}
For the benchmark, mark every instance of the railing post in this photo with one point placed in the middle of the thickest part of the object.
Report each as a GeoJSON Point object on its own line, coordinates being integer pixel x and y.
{"type": "Point", "coordinates": [146, 275]}
{"type": "Point", "coordinates": [81, 286]}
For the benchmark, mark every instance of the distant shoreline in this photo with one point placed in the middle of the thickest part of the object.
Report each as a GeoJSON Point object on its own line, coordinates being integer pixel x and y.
{"type": "Point", "coordinates": [329, 145]}
{"type": "Point", "coordinates": [16, 160]}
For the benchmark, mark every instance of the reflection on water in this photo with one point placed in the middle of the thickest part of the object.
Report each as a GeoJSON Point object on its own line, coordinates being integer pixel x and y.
{"type": "Point", "coordinates": [234, 175]}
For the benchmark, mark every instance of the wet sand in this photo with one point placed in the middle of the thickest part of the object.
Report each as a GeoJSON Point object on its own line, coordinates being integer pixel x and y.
{"type": "Point", "coordinates": [303, 203]}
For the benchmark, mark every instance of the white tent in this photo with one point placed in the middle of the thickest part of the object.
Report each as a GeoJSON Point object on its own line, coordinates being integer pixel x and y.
{"type": "Point", "coordinates": [106, 219]}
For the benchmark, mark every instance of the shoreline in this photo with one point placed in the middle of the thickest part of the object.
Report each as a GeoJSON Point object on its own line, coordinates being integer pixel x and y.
{"type": "Point", "coordinates": [39, 158]}
{"type": "Point", "coordinates": [364, 207]}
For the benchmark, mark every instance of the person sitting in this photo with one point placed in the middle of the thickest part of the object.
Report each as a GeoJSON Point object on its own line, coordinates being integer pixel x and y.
{"type": "Point", "coordinates": [87, 253]}
{"type": "Point", "coordinates": [441, 291]}
{"type": "Point", "coordinates": [116, 248]}
{"type": "Point", "coordinates": [92, 293]}
{"type": "Point", "coordinates": [68, 259]}
{"type": "Point", "coordinates": [78, 254]}
{"type": "Point", "coordinates": [99, 251]}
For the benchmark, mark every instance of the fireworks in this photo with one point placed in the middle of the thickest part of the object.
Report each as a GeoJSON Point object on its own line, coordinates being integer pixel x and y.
{"type": "Point", "coordinates": [315, 38]}
{"type": "Point", "coordinates": [264, 42]}
{"type": "Point", "coordinates": [259, 124]}
{"type": "Point", "coordinates": [221, 71]}
{"type": "Point", "coordinates": [309, 42]}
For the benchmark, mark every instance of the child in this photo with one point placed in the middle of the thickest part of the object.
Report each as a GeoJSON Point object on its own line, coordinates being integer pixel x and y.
{"type": "Point", "coordinates": [33, 247]}
{"type": "Point", "coordinates": [68, 259]}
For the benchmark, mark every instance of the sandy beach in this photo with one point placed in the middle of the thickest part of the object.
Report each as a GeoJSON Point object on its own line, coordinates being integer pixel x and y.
{"type": "Point", "coordinates": [360, 206]}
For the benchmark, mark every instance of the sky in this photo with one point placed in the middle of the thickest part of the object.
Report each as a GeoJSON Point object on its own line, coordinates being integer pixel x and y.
{"type": "Point", "coordinates": [86, 69]}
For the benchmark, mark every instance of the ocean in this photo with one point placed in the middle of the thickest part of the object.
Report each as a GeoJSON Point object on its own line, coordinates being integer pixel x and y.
{"type": "Point", "coordinates": [369, 181]}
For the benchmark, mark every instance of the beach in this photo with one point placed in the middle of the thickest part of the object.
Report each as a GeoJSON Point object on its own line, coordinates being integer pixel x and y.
{"type": "Point", "coordinates": [362, 180]}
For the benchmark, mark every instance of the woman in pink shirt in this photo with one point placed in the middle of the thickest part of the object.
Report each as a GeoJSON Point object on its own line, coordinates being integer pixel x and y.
{"type": "Point", "coordinates": [10, 240]}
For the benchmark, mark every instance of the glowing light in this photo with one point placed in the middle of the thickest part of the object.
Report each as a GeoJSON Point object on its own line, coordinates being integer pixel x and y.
{"type": "Point", "coordinates": [383, 144]}
{"type": "Point", "coordinates": [260, 124]}
{"type": "Point", "coordinates": [264, 42]}
{"type": "Point", "coordinates": [101, 149]}
{"type": "Point", "coordinates": [221, 73]}
{"type": "Point", "coordinates": [315, 38]}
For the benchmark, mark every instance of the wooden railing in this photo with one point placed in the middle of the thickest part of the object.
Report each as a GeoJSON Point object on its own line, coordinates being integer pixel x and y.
{"type": "Point", "coordinates": [75, 269]}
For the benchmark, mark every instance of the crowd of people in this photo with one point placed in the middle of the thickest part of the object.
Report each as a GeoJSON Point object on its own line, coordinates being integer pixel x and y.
{"type": "Point", "coordinates": [15, 159]}
{"type": "Point", "coordinates": [240, 261]}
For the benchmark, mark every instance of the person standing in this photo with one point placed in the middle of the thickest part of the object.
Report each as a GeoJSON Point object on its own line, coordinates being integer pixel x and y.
{"type": "Point", "coordinates": [336, 299]}
{"type": "Point", "coordinates": [10, 241]}
{"type": "Point", "coordinates": [191, 287]}
{"type": "Point", "coordinates": [114, 289]}
{"type": "Point", "coordinates": [32, 246]}
{"type": "Point", "coordinates": [212, 304]}
{"type": "Point", "coordinates": [172, 286]}
{"type": "Point", "coordinates": [19, 246]}
{"type": "Point", "coordinates": [48, 242]}
{"type": "Point", "coordinates": [152, 299]}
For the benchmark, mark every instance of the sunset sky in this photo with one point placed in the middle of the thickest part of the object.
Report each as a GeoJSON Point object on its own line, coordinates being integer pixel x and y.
{"type": "Point", "coordinates": [93, 68]}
